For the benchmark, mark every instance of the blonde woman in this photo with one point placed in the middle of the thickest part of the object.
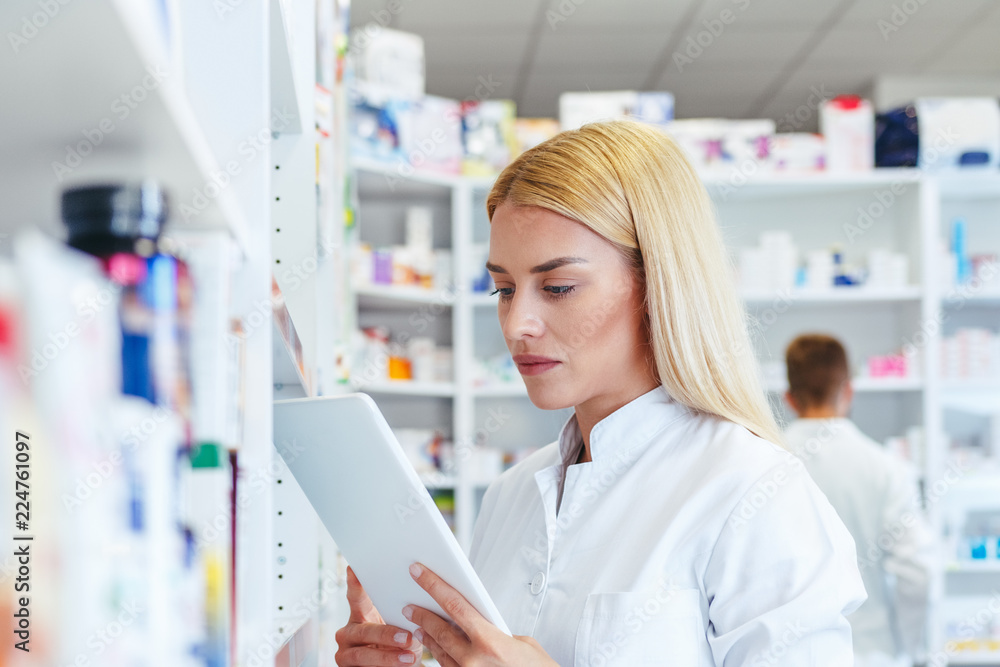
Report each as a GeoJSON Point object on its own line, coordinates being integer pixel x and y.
{"type": "Point", "coordinates": [666, 525]}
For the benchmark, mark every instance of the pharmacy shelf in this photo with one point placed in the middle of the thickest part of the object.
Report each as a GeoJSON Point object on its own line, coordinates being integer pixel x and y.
{"type": "Point", "coordinates": [284, 91]}
{"type": "Point", "coordinates": [409, 388]}
{"type": "Point", "coordinates": [984, 298]}
{"type": "Point", "coordinates": [287, 370]}
{"type": "Point", "coordinates": [977, 397]}
{"type": "Point", "coordinates": [969, 184]}
{"type": "Point", "coordinates": [970, 384]}
{"type": "Point", "coordinates": [845, 295]}
{"type": "Point", "coordinates": [404, 179]}
{"type": "Point", "coordinates": [867, 384]}
{"type": "Point", "coordinates": [973, 566]}
{"type": "Point", "coordinates": [288, 361]}
{"type": "Point", "coordinates": [735, 186]}
{"type": "Point", "coordinates": [396, 296]}
{"type": "Point", "coordinates": [110, 109]}
{"type": "Point", "coordinates": [984, 658]}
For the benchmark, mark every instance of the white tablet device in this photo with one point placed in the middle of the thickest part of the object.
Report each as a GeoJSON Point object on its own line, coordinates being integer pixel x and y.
{"type": "Point", "coordinates": [355, 474]}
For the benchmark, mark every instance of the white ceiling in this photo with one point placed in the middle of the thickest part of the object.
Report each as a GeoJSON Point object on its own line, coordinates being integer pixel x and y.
{"type": "Point", "coordinates": [764, 63]}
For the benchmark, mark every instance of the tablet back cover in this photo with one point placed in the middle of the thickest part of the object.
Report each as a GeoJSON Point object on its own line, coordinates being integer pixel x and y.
{"type": "Point", "coordinates": [358, 479]}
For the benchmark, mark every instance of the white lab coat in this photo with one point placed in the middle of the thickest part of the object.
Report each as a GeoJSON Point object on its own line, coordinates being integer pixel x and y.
{"type": "Point", "coordinates": [687, 541]}
{"type": "Point", "coordinates": [876, 495]}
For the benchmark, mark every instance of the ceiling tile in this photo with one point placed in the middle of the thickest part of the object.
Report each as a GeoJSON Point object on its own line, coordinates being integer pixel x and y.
{"type": "Point", "coordinates": [471, 84]}
{"type": "Point", "coordinates": [714, 104]}
{"type": "Point", "coordinates": [417, 15]}
{"type": "Point", "coordinates": [902, 51]}
{"type": "Point", "coordinates": [588, 14]}
{"type": "Point", "coordinates": [976, 51]}
{"type": "Point", "coordinates": [912, 12]}
{"type": "Point", "coordinates": [733, 79]}
{"type": "Point", "coordinates": [805, 14]}
{"type": "Point", "coordinates": [739, 44]}
{"type": "Point", "coordinates": [600, 46]}
{"type": "Point", "coordinates": [500, 47]}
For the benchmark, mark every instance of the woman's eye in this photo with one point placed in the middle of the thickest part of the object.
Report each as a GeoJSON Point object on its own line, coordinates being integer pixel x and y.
{"type": "Point", "coordinates": [559, 290]}
{"type": "Point", "coordinates": [505, 293]}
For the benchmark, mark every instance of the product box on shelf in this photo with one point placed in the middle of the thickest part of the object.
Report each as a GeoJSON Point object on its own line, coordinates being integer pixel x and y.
{"type": "Point", "coordinates": [847, 123]}
{"type": "Point", "coordinates": [577, 108]}
{"type": "Point", "coordinates": [374, 124]}
{"type": "Point", "coordinates": [943, 146]}
{"type": "Point", "coordinates": [488, 136]}
{"type": "Point", "coordinates": [529, 132]}
{"type": "Point", "coordinates": [430, 134]}
{"type": "Point", "coordinates": [798, 151]}
{"type": "Point", "coordinates": [721, 145]}
{"type": "Point", "coordinates": [390, 61]}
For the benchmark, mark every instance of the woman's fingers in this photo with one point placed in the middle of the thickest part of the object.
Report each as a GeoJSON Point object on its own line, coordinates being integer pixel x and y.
{"type": "Point", "coordinates": [439, 653]}
{"type": "Point", "coordinates": [446, 635]}
{"type": "Point", "coordinates": [362, 609]}
{"type": "Point", "coordinates": [452, 602]}
{"type": "Point", "coordinates": [367, 656]}
{"type": "Point", "coordinates": [359, 634]}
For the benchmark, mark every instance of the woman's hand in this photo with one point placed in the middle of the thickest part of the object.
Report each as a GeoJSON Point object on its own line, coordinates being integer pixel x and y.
{"type": "Point", "coordinates": [475, 641]}
{"type": "Point", "coordinates": [366, 641]}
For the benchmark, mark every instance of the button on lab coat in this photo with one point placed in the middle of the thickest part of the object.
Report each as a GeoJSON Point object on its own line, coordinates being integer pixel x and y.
{"type": "Point", "coordinates": [876, 495]}
{"type": "Point", "coordinates": [687, 541]}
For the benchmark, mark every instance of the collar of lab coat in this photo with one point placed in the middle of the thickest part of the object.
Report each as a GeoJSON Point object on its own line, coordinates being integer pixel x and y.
{"type": "Point", "coordinates": [630, 426]}
{"type": "Point", "coordinates": [812, 434]}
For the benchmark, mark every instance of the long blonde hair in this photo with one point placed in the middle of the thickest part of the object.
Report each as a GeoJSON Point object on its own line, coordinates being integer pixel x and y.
{"type": "Point", "coordinates": [630, 183]}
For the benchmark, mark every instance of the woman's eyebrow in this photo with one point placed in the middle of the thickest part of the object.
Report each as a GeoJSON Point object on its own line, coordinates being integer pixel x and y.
{"type": "Point", "coordinates": [542, 268]}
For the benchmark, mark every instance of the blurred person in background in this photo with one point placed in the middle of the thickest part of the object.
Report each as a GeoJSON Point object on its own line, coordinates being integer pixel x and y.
{"type": "Point", "coordinates": [876, 495]}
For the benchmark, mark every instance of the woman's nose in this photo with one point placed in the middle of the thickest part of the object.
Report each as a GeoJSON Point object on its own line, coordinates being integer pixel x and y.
{"type": "Point", "coordinates": [521, 318]}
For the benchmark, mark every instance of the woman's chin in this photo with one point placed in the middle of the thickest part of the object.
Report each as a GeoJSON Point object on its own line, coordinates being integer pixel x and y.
{"type": "Point", "coordinates": [547, 398]}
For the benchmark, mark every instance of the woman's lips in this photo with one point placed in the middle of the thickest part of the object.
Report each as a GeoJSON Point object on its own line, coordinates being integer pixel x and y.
{"type": "Point", "coordinates": [533, 364]}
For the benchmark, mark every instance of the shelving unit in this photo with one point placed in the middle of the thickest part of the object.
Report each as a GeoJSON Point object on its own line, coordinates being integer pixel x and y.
{"type": "Point", "coordinates": [105, 109]}
{"type": "Point", "coordinates": [181, 92]}
{"type": "Point", "coordinates": [814, 207]}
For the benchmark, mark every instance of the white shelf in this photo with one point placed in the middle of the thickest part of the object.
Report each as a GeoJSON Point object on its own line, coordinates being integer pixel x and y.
{"type": "Point", "coordinates": [866, 384]}
{"type": "Point", "coordinates": [974, 657]}
{"type": "Point", "coordinates": [970, 384]}
{"type": "Point", "coordinates": [404, 173]}
{"type": "Point", "coordinates": [969, 184]}
{"type": "Point", "coordinates": [726, 184]}
{"type": "Point", "coordinates": [288, 366]}
{"type": "Point", "coordinates": [396, 296]}
{"type": "Point", "coordinates": [847, 295]}
{"type": "Point", "coordinates": [973, 566]}
{"type": "Point", "coordinates": [972, 396]}
{"type": "Point", "coordinates": [984, 298]}
{"type": "Point", "coordinates": [284, 91]}
{"type": "Point", "coordinates": [68, 82]}
{"type": "Point", "coordinates": [409, 388]}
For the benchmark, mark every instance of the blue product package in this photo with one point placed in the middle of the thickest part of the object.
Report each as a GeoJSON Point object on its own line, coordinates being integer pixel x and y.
{"type": "Point", "coordinates": [977, 548]}
{"type": "Point", "coordinates": [897, 139]}
{"type": "Point", "coordinates": [958, 246]}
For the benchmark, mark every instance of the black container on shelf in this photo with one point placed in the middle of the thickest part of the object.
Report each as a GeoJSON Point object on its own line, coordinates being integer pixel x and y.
{"type": "Point", "coordinates": [105, 219]}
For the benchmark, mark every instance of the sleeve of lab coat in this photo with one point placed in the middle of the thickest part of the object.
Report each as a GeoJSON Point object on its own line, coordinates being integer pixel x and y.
{"type": "Point", "coordinates": [908, 550]}
{"type": "Point", "coordinates": [782, 577]}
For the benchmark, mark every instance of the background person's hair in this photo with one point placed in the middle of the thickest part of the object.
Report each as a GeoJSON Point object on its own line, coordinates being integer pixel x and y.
{"type": "Point", "coordinates": [630, 183]}
{"type": "Point", "coordinates": [817, 369]}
